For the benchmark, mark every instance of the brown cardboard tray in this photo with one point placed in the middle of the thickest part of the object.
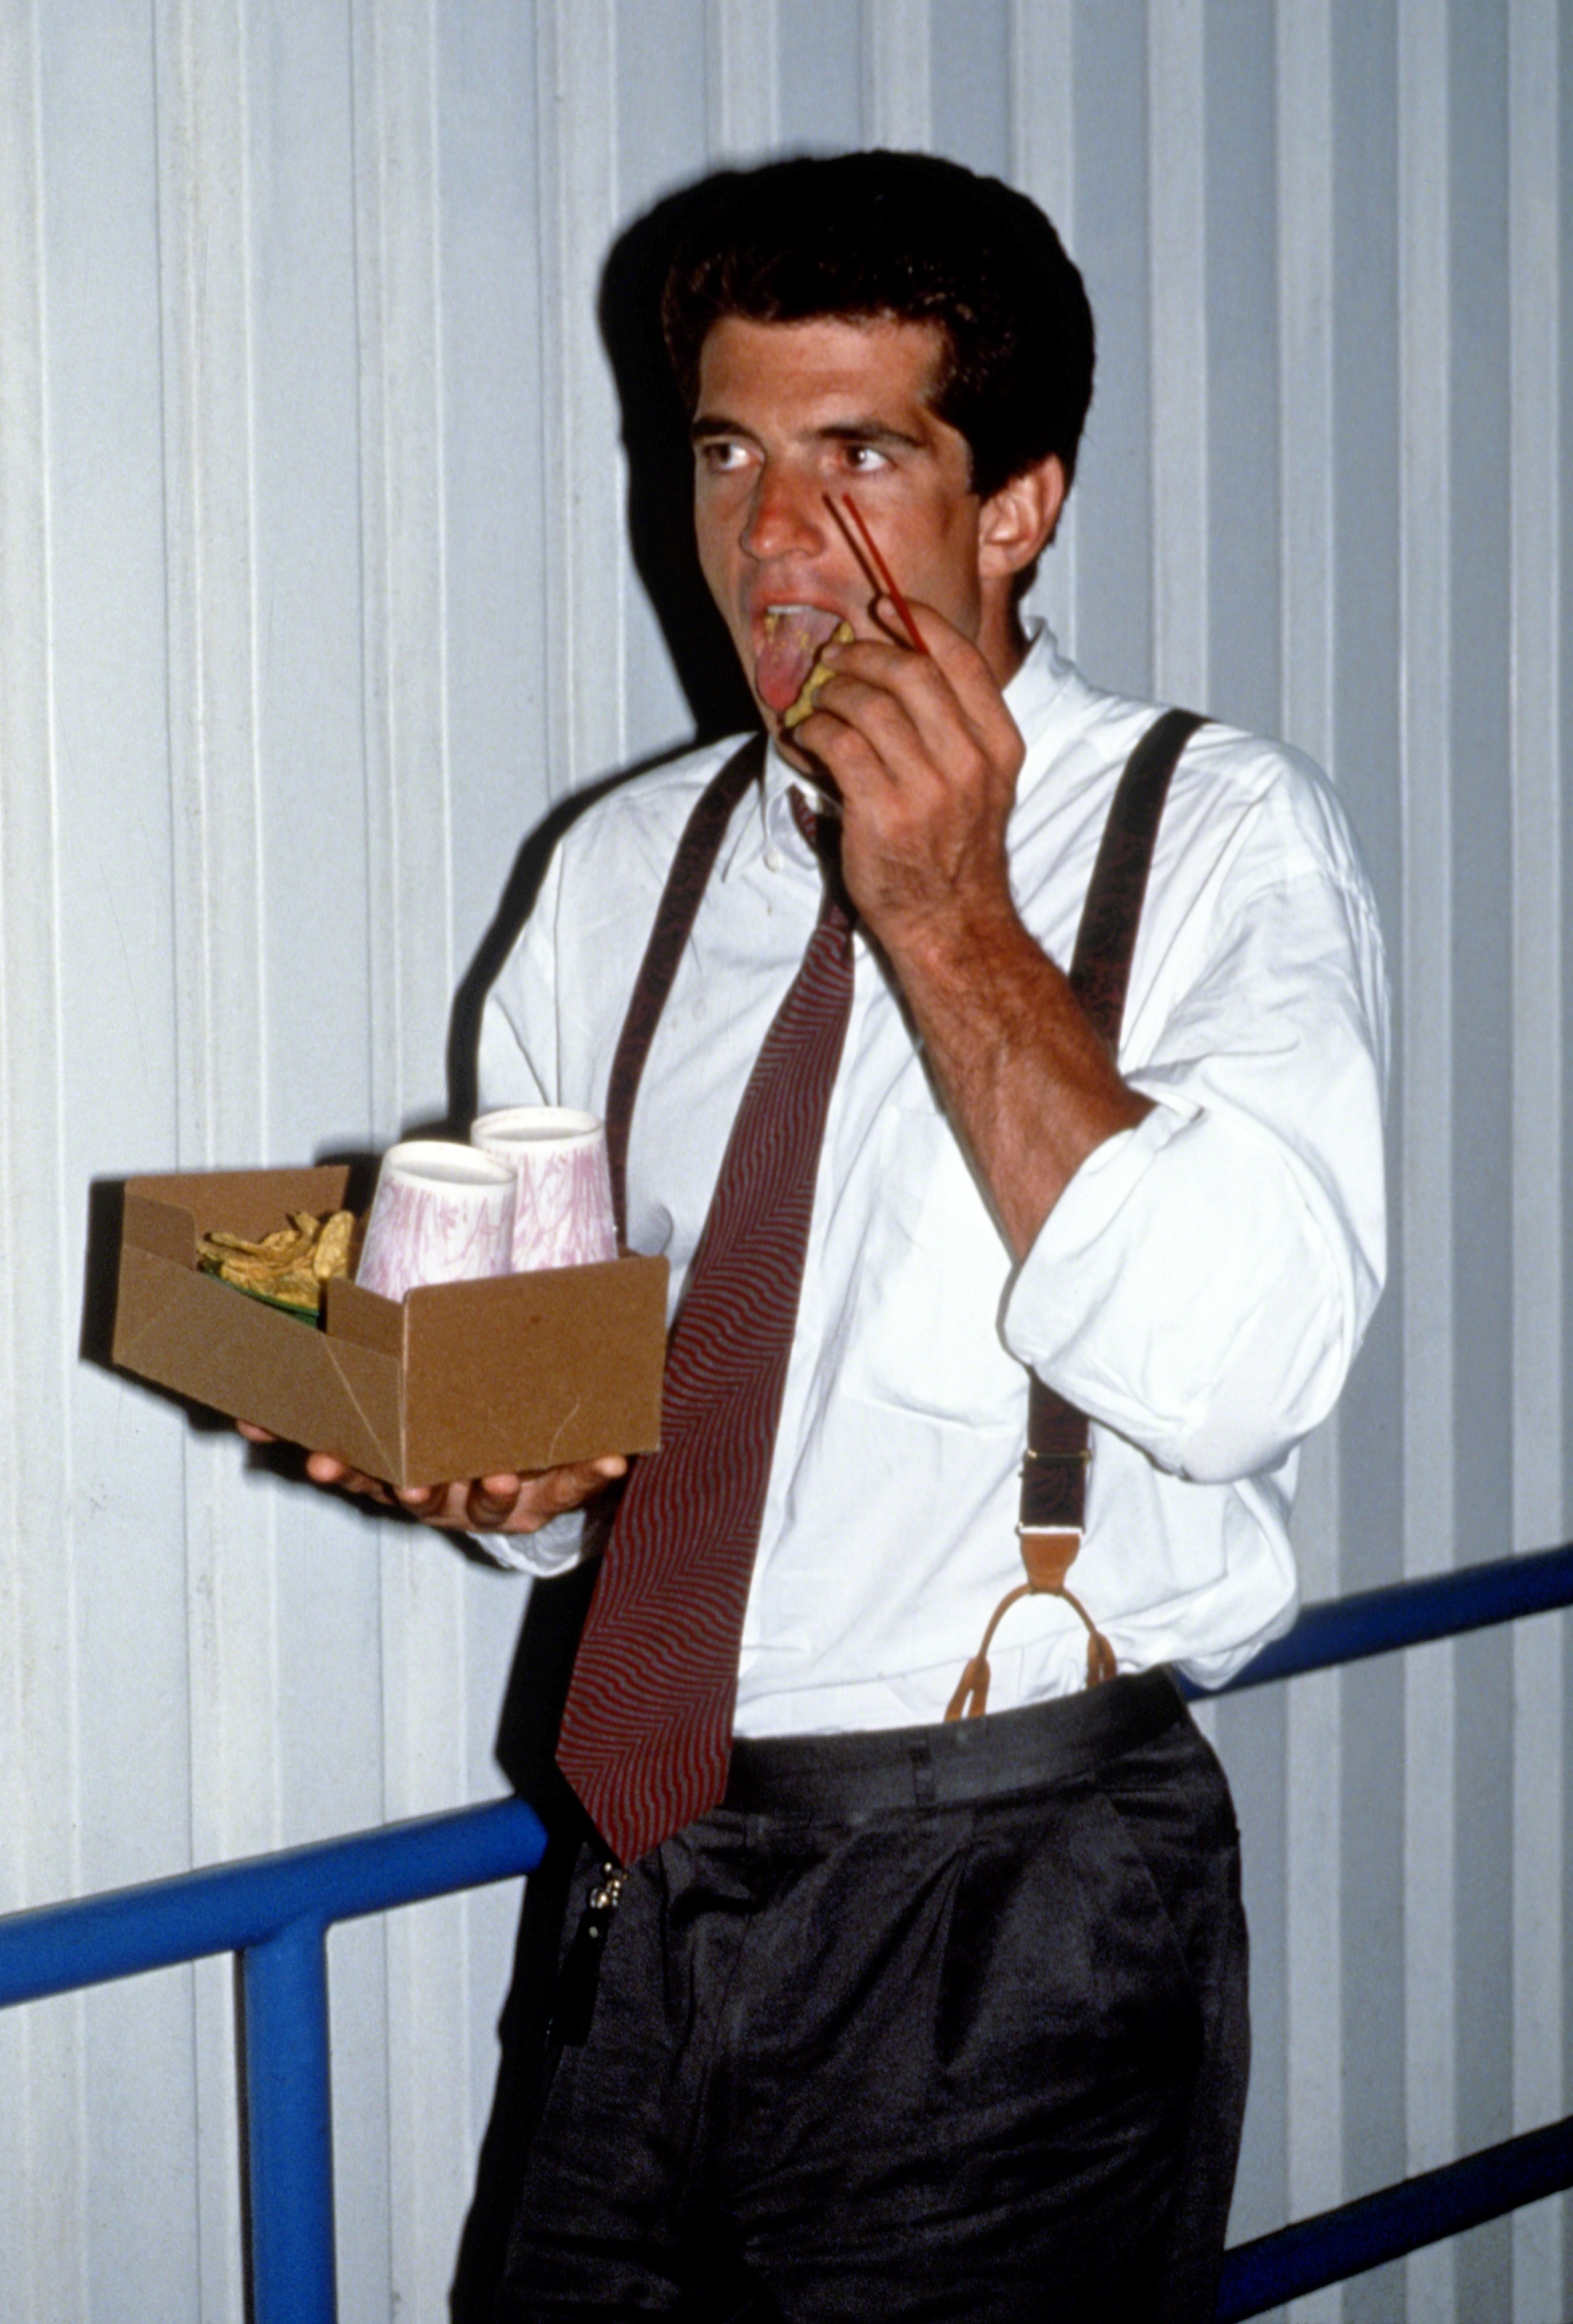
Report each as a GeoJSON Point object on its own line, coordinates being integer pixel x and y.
{"type": "Point", "coordinates": [519, 1372]}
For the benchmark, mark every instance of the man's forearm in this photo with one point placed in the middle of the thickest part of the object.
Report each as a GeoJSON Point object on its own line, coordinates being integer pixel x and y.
{"type": "Point", "coordinates": [1027, 1081]}
{"type": "Point", "coordinates": [926, 756]}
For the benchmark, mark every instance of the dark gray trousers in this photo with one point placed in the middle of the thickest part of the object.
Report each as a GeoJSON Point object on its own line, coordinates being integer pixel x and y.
{"type": "Point", "coordinates": [867, 2047]}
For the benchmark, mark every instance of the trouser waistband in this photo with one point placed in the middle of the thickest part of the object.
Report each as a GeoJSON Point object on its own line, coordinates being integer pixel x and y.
{"type": "Point", "coordinates": [894, 1767]}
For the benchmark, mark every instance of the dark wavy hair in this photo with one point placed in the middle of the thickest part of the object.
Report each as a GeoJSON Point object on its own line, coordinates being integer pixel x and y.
{"type": "Point", "coordinates": [917, 239]}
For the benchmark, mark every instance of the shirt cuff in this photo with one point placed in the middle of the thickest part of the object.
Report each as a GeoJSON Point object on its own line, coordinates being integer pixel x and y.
{"type": "Point", "coordinates": [1092, 1202]}
{"type": "Point", "coordinates": [1175, 1295]}
{"type": "Point", "coordinates": [558, 1544]}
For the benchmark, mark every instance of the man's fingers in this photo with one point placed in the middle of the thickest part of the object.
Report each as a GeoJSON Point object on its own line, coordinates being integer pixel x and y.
{"type": "Point", "coordinates": [890, 715]}
{"type": "Point", "coordinates": [555, 1491]}
{"type": "Point", "coordinates": [501, 1502]}
{"type": "Point", "coordinates": [461, 1507]}
{"type": "Point", "coordinates": [427, 1502]}
{"type": "Point", "coordinates": [490, 1501]}
{"type": "Point", "coordinates": [588, 1477]}
{"type": "Point", "coordinates": [949, 687]}
{"type": "Point", "coordinates": [958, 658]}
{"type": "Point", "coordinates": [328, 1468]}
{"type": "Point", "coordinates": [506, 1502]}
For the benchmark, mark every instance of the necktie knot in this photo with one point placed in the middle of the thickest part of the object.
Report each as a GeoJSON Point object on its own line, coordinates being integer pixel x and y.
{"type": "Point", "coordinates": [822, 833]}
{"type": "Point", "coordinates": [810, 822]}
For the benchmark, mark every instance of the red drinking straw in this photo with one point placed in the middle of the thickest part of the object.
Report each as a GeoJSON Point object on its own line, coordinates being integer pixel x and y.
{"type": "Point", "coordinates": [881, 569]}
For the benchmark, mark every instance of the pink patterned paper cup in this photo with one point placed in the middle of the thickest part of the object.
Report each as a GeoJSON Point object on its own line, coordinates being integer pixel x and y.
{"type": "Point", "coordinates": [441, 1213]}
{"type": "Point", "coordinates": [562, 1203]}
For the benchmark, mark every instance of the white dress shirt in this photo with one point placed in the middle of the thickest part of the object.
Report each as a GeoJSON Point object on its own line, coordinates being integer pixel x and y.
{"type": "Point", "coordinates": [1199, 1288]}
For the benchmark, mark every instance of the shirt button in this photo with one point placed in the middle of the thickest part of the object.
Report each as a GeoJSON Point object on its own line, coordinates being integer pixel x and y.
{"type": "Point", "coordinates": [773, 858]}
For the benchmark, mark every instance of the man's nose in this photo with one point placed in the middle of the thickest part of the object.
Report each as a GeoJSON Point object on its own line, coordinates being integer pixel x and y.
{"type": "Point", "coordinates": [786, 515]}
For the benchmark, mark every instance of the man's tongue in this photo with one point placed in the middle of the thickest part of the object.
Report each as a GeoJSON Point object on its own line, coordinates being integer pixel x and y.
{"type": "Point", "coordinates": [793, 638]}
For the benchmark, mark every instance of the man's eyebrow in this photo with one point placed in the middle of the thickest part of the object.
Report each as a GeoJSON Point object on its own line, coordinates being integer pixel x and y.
{"type": "Point", "coordinates": [878, 434]}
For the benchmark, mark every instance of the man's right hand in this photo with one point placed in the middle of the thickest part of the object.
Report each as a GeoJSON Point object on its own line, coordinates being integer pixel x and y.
{"type": "Point", "coordinates": [504, 1502]}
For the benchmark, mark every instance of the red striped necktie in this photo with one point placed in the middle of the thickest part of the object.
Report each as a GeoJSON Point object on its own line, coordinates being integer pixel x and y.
{"type": "Point", "coordinates": [647, 1730]}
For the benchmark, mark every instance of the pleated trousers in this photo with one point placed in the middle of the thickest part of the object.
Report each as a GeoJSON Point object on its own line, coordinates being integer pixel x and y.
{"type": "Point", "coordinates": [936, 2023]}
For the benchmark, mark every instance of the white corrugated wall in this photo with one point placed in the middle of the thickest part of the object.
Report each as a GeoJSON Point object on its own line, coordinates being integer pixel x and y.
{"type": "Point", "coordinates": [315, 593]}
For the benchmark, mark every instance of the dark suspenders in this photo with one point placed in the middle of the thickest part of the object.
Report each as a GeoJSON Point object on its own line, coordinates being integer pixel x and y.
{"type": "Point", "coordinates": [691, 866]}
{"type": "Point", "coordinates": [1054, 1476]}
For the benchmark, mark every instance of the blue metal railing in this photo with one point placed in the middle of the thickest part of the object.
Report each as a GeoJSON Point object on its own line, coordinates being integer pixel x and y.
{"type": "Point", "coordinates": [1382, 2226]}
{"type": "Point", "coordinates": [275, 1911]}
{"type": "Point", "coordinates": [1415, 1614]}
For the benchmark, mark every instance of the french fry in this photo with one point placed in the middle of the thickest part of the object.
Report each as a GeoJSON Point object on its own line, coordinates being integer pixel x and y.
{"type": "Point", "coordinates": [819, 675]}
{"type": "Point", "coordinates": [331, 1256]}
{"type": "Point", "coordinates": [289, 1265]}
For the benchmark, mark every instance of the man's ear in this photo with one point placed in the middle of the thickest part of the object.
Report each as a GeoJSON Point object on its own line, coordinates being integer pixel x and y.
{"type": "Point", "coordinates": [1017, 524]}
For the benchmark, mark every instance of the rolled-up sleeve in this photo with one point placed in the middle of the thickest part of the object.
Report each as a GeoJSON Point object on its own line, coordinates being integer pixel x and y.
{"type": "Point", "coordinates": [1203, 1283]}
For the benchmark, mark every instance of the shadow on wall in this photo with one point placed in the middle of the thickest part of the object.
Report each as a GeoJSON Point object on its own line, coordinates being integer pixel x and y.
{"type": "Point", "coordinates": [655, 427]}
{"type": "Point", "coordinates": [655, 441]}
{"type": "Point", "coordinates": [654, 432]}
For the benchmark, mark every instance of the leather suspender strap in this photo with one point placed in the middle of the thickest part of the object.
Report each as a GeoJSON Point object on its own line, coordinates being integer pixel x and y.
{"type": "Point", "coordinates": [675, 915]}
{"type": "Point", "coordinates": [1054, 1474]}
{"type": "Point", "coordinates": [1054, 1482]}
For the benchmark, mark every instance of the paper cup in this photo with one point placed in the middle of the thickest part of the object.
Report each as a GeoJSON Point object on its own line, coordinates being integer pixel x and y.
{"type": "Point", "coordinates": [442, 1213]}
{"type": "Point", "coordinates": [563, 1202]}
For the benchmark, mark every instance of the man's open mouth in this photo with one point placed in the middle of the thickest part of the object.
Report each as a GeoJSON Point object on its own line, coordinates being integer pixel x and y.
{"type": "Point", "coordinates": [793, 636]}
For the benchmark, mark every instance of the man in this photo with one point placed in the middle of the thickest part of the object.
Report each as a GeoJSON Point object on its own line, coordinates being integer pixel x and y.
{"type": "Point", "coordinates": [928, 2018]}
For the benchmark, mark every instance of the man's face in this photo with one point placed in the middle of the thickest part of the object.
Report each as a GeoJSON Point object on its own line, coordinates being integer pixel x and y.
{"type": "Point", "coordinates": [790, 412]}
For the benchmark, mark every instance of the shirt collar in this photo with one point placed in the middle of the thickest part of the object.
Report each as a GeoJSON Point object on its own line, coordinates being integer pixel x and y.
{"type": "Point", "coordinates": [1040, 688]}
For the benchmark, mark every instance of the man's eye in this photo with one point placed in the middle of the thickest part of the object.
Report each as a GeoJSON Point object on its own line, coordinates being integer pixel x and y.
{"type": "Point", "coordinates": [718, 457]}
{"type": "Point", "coordinates": [865, 459]}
